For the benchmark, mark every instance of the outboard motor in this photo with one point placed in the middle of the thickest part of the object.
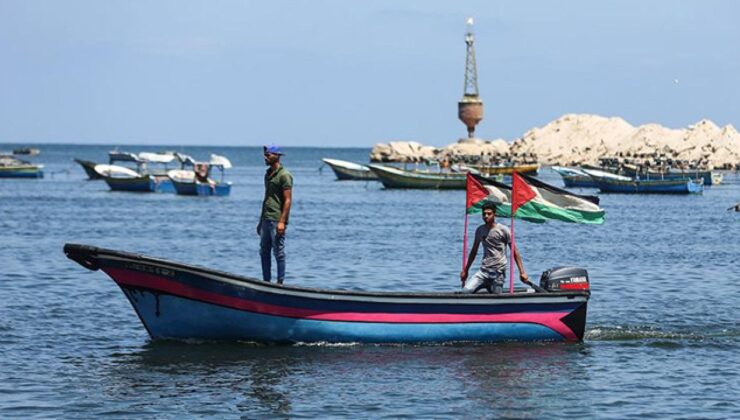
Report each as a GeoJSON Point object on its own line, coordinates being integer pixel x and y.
{"type": "Point", "coordinates": [564, 278]}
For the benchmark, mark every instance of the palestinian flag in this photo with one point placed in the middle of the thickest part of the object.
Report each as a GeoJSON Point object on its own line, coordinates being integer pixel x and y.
{"type": "Point", "coordinates": [534, 200]}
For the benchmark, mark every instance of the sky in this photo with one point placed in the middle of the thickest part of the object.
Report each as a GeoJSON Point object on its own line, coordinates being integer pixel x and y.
{"type": "Point", "coordinates": [354, 73]}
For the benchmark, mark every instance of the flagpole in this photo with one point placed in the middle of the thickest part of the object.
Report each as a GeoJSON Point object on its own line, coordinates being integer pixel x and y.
{"type": "Point", "coordinates": [512, 246]}
{"type": "Point", "coordinates": [465, 244]}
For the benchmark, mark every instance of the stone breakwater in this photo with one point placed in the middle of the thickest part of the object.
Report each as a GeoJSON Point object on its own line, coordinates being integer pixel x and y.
{"type": "Point", "coordinates": [582, 139]}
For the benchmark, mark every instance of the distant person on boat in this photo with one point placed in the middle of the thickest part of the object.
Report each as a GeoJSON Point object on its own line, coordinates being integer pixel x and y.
{"type": "Point", "coordinates": [275, 212]}
{"type": "Point", "coordinates": [494, 237]}
{"type": "Point", "coordinates": [201, 175]}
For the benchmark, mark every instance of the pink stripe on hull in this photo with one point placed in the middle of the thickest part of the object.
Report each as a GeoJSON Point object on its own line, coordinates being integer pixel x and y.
{"type": "Point", "coordinates": [136, 279]}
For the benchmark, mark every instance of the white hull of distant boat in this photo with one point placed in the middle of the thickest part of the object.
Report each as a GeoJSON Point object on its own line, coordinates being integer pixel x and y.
{"type": "Point", "coordinates": [346, 171]}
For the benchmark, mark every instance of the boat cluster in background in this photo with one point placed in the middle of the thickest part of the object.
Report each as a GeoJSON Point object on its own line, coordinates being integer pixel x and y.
{"type": "Point", "coordinates": [152, 172]}
{"type": "Point", "coordinates": [427, 175]}
{"type": "Point", "coordinates": [615, 175]}
{"type": "Point", "coordinates": [611, 176]}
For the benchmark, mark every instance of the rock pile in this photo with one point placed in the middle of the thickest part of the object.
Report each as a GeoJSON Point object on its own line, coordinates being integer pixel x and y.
{"type": "Point", "coordinates": [582, 139]}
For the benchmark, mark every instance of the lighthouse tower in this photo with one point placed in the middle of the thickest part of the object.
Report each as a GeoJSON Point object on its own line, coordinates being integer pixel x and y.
{"type": "Point", "coordinates": [470, 107]}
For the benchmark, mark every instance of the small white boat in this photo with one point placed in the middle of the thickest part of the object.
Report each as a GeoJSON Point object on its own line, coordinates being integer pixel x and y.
{"type": "Point", "coordinates": [346, 171]}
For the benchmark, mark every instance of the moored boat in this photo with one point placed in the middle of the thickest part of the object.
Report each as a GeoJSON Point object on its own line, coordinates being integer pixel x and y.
{"type": "Point", "coordinates": [650, 186]}
{"type": "Point", "coordinates": [180, 301]}
{"type": "Point", "coordinates": [392, 177]}
{"type": "Point", "coordinates": [186, 183]}
{"type": "Point", "coordinates": [15, 168]}
{"type": "Point", "coordinates": [30, 151]}
{"type": "Point", "coordinates": [707, 177]}
{"type": "Point", "coordinates": [350, 171]}
{"type": "Point", "coordinates": [120, 178]}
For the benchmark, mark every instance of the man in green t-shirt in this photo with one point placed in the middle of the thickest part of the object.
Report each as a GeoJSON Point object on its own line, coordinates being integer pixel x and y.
{"type": "Point", "coordinates": [275, 212]}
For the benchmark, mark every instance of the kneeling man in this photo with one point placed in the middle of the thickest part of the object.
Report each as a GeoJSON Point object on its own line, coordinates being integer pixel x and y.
{"type": "Point", "coordinates": [494, 237]}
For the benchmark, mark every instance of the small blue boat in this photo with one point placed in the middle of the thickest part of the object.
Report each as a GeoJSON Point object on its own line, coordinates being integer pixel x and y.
{"type": "Point", "coordinates": [185, 183]}
{"type": "Point", "coordinates": [11, 167]}
{"type": "Point", "coordinates": [179, 301]}
{"type": "Point", "coordinates": [707, 177]}
{"type": "Point", "coordinates": [657, 186]}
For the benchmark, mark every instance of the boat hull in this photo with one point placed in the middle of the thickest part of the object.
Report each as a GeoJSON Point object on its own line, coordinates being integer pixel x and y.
{"type": "Point", "coordinates": [184, 188]}
{"type": "Point", "coordinates": [169, 316]}
{"type": "Point", "coordinates": [397, 178]}
{"type": "Point", "coordinates": [682, 186]}
{"type": "Point", "coordinates": [144, 183]}
{"type": "Point", "coordinates": [163, 184]}
{"type": "Point", "coordinates": [179, 301]}
{"type": "Point", "coordinates": [221, 189]}
{"type": "Point", "coordinates": [705, 176]}
{"type": "Point", "coordinates": [354, 173]}
{"type": "Point", "coordinates": [89, 168]}
{"type": "Point", "coordinates": [30, 171]}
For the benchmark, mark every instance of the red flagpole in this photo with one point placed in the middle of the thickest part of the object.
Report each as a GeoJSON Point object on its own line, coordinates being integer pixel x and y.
{"type": "Point", "coordinates": [512, 245]}
{"type": "Point", "coordinates": [465, 244]}
{"type": "Point", "coordinates": [511, 257]}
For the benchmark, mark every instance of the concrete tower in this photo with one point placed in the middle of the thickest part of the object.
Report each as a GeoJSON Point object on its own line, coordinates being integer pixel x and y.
{"type": "Point", "coordinates": [470, 107]}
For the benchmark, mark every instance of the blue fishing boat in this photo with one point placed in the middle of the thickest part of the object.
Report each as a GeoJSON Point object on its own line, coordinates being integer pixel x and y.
{"type": "Point", "coordinates": [185, 182]}
{"type": "Point", "coordinates": [626, 185]}
{"type": "Point", "coordinates": [575, 178]}
{"type": "Point", "coordinates": [181, 301]}
{"type": "Point", "coordinates": [707, 177]}
{"type": "Point", "coordinates": [14, 168]}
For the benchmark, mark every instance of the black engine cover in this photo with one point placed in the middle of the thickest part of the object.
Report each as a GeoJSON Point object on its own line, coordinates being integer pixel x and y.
{"type": "Point", "coordinates": [565, 278]}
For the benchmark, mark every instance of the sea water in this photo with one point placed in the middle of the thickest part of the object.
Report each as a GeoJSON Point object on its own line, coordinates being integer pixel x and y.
{"type": "Point", "coordinates": [662, 339]}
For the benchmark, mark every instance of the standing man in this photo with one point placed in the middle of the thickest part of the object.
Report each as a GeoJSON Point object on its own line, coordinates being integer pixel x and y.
{"type": "Point", "coordinates": [275, 212]}
{"type": "Point", "coordinates": [494, 237]}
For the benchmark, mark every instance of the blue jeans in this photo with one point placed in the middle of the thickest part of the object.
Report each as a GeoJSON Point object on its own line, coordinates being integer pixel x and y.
{"type": "Point", "coordinates": [271, 241]}
{"type": "Point", "coordinates": [493, 282]}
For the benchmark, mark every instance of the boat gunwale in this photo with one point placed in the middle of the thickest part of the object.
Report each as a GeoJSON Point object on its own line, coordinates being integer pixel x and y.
{"type": "Point", "coordinates": [320, 293]}
{"type": "Point", "coordinates": [347, 165]}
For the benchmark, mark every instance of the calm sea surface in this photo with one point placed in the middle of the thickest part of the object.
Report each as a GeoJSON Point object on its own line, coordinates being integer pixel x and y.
{"type": "Point", "coordinates": [663, 333]}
